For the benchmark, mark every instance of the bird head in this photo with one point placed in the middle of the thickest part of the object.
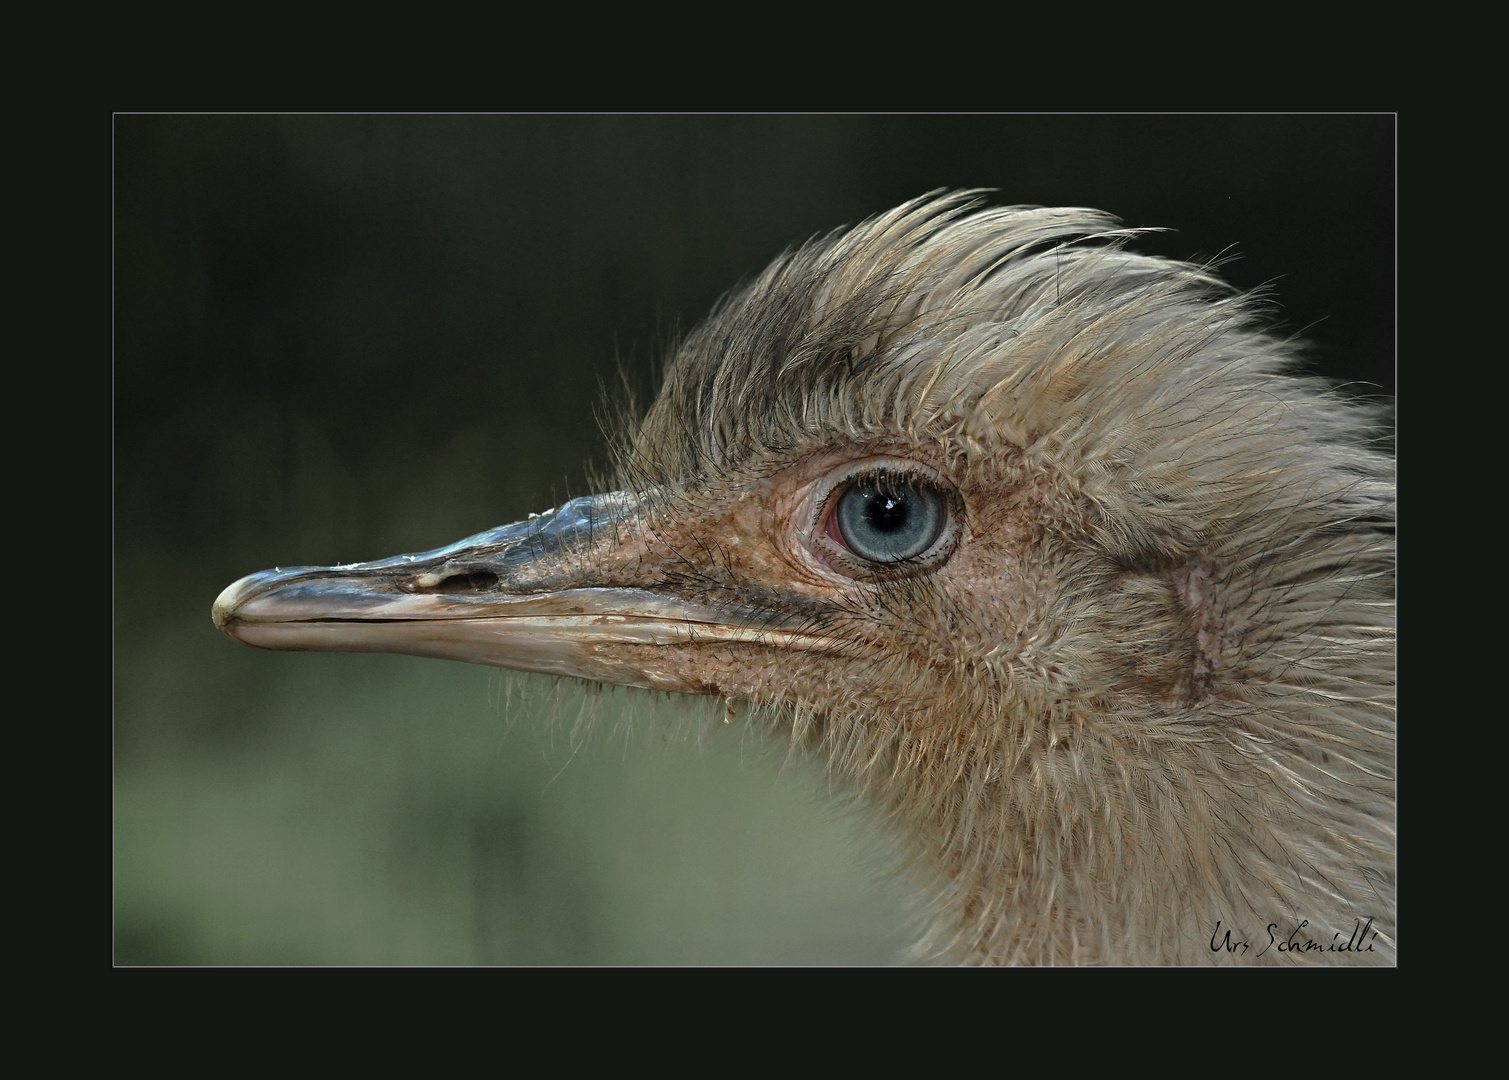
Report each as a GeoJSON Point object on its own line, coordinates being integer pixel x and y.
{"type": "Point", "coordinates": [1036, 541]}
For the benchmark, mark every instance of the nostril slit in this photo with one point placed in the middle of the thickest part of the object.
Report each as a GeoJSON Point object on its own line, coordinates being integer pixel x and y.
{"type": "Point", "coordinates": [475, 581]}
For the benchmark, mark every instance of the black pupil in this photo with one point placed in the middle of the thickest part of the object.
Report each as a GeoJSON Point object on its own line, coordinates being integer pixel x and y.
{"type": "Point", "coordinates": [885, 511]}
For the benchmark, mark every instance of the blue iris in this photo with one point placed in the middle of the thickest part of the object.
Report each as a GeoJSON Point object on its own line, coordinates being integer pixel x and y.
{"type": "Point", "coordinates": [890, 518]}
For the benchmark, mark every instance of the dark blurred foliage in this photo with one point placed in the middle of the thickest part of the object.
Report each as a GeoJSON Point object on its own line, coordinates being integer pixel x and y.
{"type": "Point", "coordinates": [339, 338]}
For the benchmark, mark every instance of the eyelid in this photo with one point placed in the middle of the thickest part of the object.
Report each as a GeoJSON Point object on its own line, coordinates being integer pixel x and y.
{"type": "Point", "coordinates": [857, 472]}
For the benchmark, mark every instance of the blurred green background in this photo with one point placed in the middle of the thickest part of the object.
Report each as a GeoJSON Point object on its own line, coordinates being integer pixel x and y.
{"type": "Point", "coordinates": [340, 338]}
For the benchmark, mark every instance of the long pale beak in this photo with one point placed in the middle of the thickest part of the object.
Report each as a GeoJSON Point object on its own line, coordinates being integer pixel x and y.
{"type": "Point", "coordinates": [548, 595]}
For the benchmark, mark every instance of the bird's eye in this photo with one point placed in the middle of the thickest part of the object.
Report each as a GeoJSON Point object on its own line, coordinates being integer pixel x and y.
{"type": "Point", "coordinates": [888, 518]}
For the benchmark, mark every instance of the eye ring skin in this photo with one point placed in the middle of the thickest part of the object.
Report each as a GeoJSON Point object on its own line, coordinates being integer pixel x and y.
{"type": "Point", "coordinates": [826, 540]}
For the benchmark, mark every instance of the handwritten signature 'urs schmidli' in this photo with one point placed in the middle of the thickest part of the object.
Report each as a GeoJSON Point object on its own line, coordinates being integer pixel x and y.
{"type": "Point", "coordinates": [1360, 940]}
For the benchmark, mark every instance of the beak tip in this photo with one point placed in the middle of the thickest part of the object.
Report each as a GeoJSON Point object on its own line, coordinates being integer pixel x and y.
{"type": "Point", "coordinates": [228, 603]}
